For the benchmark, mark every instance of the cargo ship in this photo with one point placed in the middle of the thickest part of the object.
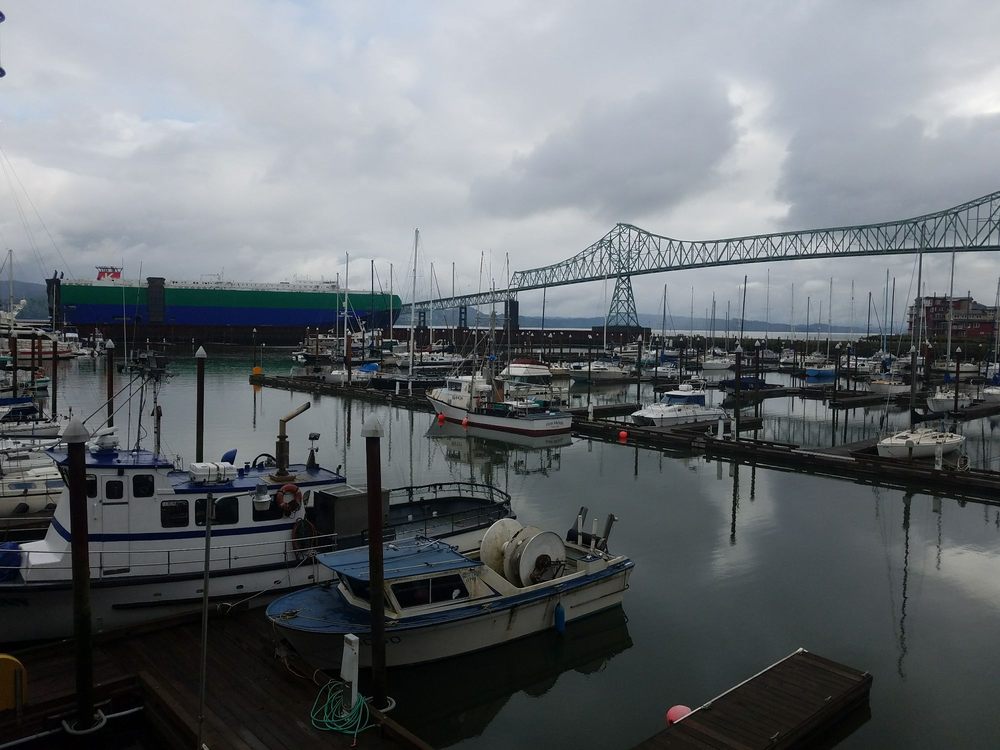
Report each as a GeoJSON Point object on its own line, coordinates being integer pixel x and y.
{"type": "Point", "coordinates": [229, 312]}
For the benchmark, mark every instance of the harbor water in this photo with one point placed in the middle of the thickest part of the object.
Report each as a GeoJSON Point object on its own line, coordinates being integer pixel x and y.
{"type": "Point", "coordinates": [735, 567]}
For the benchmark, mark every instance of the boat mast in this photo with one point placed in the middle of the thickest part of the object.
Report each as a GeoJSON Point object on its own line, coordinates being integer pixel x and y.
{"type": "Point", "coordinates": [347, 291]}
{"type": "Point", "coordinates": [413, 299]}
{"type": "Point", "coordinates": [10, 286]}
{"type": "Point", "coordinates": [767, 308]}
{"type": "Point", "coordinates": [829, 320]}
{"type": "Point", "coordinates": [791, 320]}
{"type": "Point", "coordinates": [663, 325]}
{"type": "Point", "coordinates": [951, 289]}
{"type": "Point", "coordinates": [996, 330]}
{"type": "Point", "coordinates": [430, 312]}
{"type": "Point", "coordinates": [390, 302]}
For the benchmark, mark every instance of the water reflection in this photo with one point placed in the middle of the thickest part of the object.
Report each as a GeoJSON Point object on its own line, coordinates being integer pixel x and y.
{"type": "Point", "coordinates": [460, 708]}
{"type": "Point", "coordinates": [487, 450]}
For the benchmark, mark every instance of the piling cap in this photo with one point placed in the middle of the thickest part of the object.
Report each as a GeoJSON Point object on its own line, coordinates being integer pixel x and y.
{"type": "Point", "coordinates": [201, 353]}
{"type": "Point", "coordinates": [75, 432]}
{"type": "Point", "coordinates": [372, 429]}
{"type": "Point", "coordinates": [109, 344]}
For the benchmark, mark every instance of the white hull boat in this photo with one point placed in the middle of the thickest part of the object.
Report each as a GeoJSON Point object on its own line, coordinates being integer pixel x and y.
{"type": "Point", "coordinates": [944, 401]}
{"type": "Point", "coordinates": [147, 536]}
{"type": "Point", "coordinates": [30, 491]}
{"type": "Point", "coordinates": [888, 386]}
{"type": "Point", "coordinates": [598, 372]}
{"type": "Point", "coordinates": [467, 400]}
{"type": "Point", "coordinates": [921, 442]}
{"type": "Point", "coordinates": [440, 603]}
{"type": "Point", "coordinates": [664, 415]}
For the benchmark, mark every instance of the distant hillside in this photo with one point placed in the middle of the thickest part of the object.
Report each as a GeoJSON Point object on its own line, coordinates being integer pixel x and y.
{"type": "Point", "coordinates": [38, 304]}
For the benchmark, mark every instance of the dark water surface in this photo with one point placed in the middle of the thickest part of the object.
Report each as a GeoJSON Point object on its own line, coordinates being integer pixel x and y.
{"type": "Point", "coordinates": [735, 569]}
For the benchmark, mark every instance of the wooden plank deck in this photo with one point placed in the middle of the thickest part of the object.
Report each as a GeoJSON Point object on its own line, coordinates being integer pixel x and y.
{"type": "Point", "coordinates": [254, 701]}
{"type": "Point", "coordinates": [792, 704]}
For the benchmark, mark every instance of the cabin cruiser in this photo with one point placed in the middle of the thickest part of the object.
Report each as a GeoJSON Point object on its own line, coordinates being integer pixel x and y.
{"type": "Point", "coordinates": [528, 371]}
{"type": "Point", "coordinates": [442, 601]}
{"type": "Point", "coordinates": [943, 401]}
{"type": "Point", "coordinates": [598, 371]}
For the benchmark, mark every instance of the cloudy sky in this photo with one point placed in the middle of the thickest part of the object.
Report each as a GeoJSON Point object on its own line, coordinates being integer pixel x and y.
{"type": "Point", "coordinates": [267, 140]}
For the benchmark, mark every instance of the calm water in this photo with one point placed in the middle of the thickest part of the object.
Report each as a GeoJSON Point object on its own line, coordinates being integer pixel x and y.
{"type": "Point", "coordinates": [735, 569]}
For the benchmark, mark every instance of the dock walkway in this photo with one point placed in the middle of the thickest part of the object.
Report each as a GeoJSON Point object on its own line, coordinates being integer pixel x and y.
{"type": "Point", "coordinates": [253, 699]}
{"type": "Point", "coordinates": [792, 704]}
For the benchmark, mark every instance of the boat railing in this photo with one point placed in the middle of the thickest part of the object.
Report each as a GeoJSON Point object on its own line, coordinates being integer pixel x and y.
{"type": "Point", "coordinates": [111, 563]}
{"type": "Point", "coordinates": [424, 492]}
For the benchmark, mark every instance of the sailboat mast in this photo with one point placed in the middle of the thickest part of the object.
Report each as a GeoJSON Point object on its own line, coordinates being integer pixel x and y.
{"type": "Point", "coordinates": [767, 308]}
{"type": "Point", "coordinates": [951, 290]}
{"type": "Point", "coordinates": [413, 300]}
{"type": "Point", "coordinates": [829, 320]}
{"type": "Point", "coordinates": [791, 316]}
{"type": "Point", "coordinates": [663, 323]}
{"type": "Point", "coordinates": [885, 313]}
{"type": "Point", "coordinates": [430, 312]}
{"type": "Point", "coordinates": [996, 331]}
{"type": "Point", "coordinates": [390, 302]}
{"type": "Point", "coordinates": [347, 291]}
{"type": "Point", "coordinates": [10, 285]}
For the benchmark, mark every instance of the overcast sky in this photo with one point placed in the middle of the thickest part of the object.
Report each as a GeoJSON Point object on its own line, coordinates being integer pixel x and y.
{"type": "Point", "coordinates": [267, 140]}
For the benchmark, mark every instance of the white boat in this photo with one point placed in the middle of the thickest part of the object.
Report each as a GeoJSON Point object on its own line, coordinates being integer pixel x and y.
{"type": "Point", "coordinates": [942, 401]}
{"type": "Point", "coordinates": [663, 415]}
{"type": "Point", "coordinates": [441, 602]}
{"type": "Point", "coordinates": [599, 371]}
{"type": "Point", "coordinates": [689, 392]}
{"type": "Point", "coordinates": [716, 364]}
{"type": "Point", "coordinates": [147, 535]}
{"type": "Point", "coordinates": [358, 375]}
{"type": "Point", "coordinates": [821, 371]}
{"type": "Point", "coordinates": [888, 386]}
{"type": "Point", "coordinates": [469, 400]}
{"type": "Point", "coordinates": [528, 371]}
{"type": "Point", "coordinates": [921, 442]}
{"type": "Point", "coordinates": [30, 491]}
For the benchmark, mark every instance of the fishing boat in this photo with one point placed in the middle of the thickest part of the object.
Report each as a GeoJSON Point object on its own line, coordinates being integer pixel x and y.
{"type": "Point", "coordinates": [920, 442]}
{"type": "Point", "coordinates": [147, 533]}
{"type": "Point", "coordinates": [441, 601]}
{"type": "Point", "coordinates": [942, 400]}
{"type": "Point", "coordinates": [469, 400]}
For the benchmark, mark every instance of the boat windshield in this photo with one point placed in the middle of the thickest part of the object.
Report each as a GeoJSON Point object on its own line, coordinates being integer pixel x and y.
{"type": "Point", "coordinates": [429, 591]}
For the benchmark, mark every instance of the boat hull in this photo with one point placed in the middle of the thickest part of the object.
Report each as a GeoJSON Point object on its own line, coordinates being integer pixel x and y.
{"type": "Point", "coordinates": [923, 449]}
{"type": "Point", "coordinates": [492, 627]}
{"type": "Point", "coordinates": [37, 612]}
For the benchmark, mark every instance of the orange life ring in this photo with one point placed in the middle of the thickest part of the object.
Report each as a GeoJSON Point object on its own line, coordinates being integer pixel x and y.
{"type": "Point", "coordinates": [289, 506]}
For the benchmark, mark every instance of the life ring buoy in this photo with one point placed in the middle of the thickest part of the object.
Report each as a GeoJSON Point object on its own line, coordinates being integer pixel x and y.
{"type": "Point", "coordinates": [289, 506]}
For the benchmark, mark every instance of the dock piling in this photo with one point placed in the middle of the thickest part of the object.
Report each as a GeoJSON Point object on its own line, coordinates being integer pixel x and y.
{"type": "Point", "coordinates": [372, 433]}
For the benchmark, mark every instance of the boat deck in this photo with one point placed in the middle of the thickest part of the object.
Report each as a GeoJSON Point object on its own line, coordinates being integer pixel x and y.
{"type": "Point", "coordinates": [793, 704]}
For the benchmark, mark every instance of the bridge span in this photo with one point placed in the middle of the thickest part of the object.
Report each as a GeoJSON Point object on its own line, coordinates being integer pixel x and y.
{"type": "Point", "coordinates": [628, 251]}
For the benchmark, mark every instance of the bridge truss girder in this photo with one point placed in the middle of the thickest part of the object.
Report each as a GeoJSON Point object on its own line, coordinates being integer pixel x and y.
{"type": "Point", "coordinates": [627, 250]}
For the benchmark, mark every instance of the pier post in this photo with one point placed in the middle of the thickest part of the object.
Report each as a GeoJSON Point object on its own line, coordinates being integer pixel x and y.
{"type": "Point", "coordinates": [372, 433]}
{"type": "Point", "coordinates": [199, 430]}
{"type": "Point", "coordinates": [54, 385]}
{"type": "Point", "coordinates": [109, 361]}
{"type": "Point", "coordinates": [76, 436]}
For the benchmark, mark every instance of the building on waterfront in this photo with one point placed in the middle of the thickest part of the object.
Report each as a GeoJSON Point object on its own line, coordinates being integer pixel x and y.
{"type": "Point", "coordinates": [970, 319]}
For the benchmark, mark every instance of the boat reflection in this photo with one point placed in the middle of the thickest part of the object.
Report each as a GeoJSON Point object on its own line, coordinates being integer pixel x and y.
{"type": "Point", "coordinates": [470, 691]}
{"type": "Point", "coordinates": [482, 448]}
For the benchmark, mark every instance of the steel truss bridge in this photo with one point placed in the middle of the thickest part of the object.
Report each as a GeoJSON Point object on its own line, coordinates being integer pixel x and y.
{"type": "Point", "coordinates": [628, 251]}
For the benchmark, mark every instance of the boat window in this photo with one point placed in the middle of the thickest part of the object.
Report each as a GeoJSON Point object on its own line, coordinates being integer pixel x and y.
{"type": "Point", "coordinates": [271, 513]}
{"type": "Point", "coordinates": [114, 489]}
{"type": "Point", "coordinates": [455, 386]}
{"type": "Point", "coordinates": [446, 588]}
{"type": "Point", "coordinates": [142, 485]}
{"type": "Point", "coordinates": [174, 514]}
{"type": "Point", "coordinates": [361, 589]}
{"type": "Point", "coordinates": [227, 510]}
{"type": "Point", "coordinates": [91, 485]}
{"type": "Point", "coordinates": [412, 593]}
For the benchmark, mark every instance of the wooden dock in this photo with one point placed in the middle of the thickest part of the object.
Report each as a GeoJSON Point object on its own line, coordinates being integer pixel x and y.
{"type": "Point", "coordinates": [796, 703]}
{"type": "Point", "coordinates": [254, 699]}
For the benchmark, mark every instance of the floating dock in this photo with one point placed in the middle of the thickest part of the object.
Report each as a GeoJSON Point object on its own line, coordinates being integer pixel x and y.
{"type": "Point", "coordinates": [796, 703]}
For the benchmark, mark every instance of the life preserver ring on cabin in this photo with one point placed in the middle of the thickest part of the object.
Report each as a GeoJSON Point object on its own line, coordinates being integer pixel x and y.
{"type": "Point", "coordinates": [289, 506]}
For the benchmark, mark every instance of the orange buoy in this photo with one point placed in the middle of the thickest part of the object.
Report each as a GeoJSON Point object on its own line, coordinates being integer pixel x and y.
{"type": "Point", "coordinates": [465, 422]}
{"type": "Point", "coordinates": [623, 436]}
{"type": "Point", "coordinates": [676, 713]}
{"type": "Point", "coordinates": [440, 418]}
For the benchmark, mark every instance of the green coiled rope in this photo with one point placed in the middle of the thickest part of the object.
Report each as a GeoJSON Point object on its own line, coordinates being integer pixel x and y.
{"type": "Point", "coordinates": [330, 713]}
